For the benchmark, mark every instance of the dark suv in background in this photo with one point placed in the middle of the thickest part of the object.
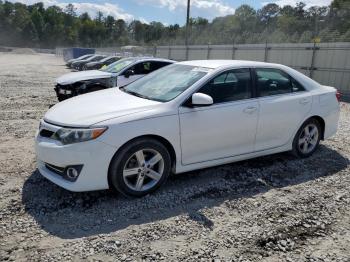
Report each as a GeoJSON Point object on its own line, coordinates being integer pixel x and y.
{"type": "Point", "coordinates": [104, 62]}
{"type": "Point", "coordinates": [79, 65]}
{"type": "Point", "coordinates": [70, 61]}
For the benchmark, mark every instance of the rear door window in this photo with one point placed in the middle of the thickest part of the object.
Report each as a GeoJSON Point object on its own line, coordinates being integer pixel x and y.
{"type": "Point", "coordinates": [271, 81]}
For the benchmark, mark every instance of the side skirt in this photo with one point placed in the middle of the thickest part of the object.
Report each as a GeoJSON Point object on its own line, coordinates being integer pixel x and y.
{"type": "Point", "coordinates": [185, 168]}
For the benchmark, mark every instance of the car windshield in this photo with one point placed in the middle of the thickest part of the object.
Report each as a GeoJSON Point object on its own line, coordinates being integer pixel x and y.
{"type": "Point", "coordinates": [88, 58]}
{"type": "Point", "coordinates": [119, 65]}
{"type": "Point", "coordinates": [166, 83]}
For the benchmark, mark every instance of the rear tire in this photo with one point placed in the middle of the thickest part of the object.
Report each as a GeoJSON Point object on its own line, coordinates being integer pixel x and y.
{"type": "Point", "coordinates": [140, 167]}
{"type": "Point", "coordinates": [307, 138]}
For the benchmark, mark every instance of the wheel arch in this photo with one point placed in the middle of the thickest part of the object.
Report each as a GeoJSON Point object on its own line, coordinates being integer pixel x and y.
{"type": "Point", "coordinates": [321, 121]}
{"type": "Point", "coordinates": [168, 146]}
{"type": "Point", "coordinates": [159, 138]}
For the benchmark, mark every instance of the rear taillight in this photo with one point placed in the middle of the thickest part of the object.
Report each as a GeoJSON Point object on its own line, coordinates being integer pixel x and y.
{"type": "Point", "coordinates": [338, 95]}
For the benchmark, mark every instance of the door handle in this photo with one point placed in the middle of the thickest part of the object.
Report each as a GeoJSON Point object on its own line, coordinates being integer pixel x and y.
{"type": "Point", "coordinates": [250, 110]}
{"type": "Point", "coordinates": [304, 101]}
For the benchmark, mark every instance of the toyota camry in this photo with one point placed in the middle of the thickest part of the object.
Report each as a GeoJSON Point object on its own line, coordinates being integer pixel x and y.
{"type": "Point", "coordinates": [182, 117]}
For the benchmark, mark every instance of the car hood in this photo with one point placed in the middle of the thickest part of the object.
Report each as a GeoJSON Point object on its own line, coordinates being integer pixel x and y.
{"type": "Point", "coordinates": [88, 109]}
{"type": "Point", "coordinates": [80, 76]}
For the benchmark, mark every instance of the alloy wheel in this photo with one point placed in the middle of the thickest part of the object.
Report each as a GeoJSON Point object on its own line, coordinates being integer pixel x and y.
{"type": "Point", "coordinates": [308, 138]}
{"type": "Point", "coordinates": [143, 169]}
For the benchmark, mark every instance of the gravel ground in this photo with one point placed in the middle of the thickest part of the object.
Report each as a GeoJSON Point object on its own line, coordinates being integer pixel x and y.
{"type": "Point", "coordinates": [275, 208]}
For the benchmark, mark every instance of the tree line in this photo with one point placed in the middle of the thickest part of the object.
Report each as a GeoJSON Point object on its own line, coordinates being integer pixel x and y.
{"type": "Point", "coordinates": [37, 26]}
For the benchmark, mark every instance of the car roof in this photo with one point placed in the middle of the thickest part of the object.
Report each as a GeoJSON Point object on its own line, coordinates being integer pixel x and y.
{"type": "Point", "coordinates": [140, 59]}
{"type": "Point", "coordinates": [214, 64]}
{"type": "Point", "coordinates": [226, 64]}
{"type": "Point", "coordinates": [108, 57]}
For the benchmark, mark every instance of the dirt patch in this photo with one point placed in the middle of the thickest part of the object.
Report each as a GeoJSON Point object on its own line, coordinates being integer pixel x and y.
{"type": "Point", "coordinates": [23, 51]}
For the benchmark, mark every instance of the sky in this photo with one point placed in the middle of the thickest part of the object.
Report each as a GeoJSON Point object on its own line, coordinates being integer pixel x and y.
{"type": "Point", "coordinates": [165, 11]}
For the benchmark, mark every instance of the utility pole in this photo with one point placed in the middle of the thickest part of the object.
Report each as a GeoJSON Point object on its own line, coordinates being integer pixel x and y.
{"type": "Point", "coordinates": [187, 23]}
{"type": "Point", "coordinates": [187, 28]}
{"type": "Point", "coordinates": [316, 26]}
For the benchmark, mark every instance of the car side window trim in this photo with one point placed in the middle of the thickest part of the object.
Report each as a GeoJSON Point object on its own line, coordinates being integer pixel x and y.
{"type": "Point", "coordinates": [293, 79]}
{"type": "Point", "coordinates": [255, 92]}
{"type": "Point", "coordinates": [252, 91]}
{"type": "Point", "coordinates": [218, 105]}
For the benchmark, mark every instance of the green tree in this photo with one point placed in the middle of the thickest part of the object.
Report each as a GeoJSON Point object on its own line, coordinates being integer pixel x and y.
{"type": "Point", "coordinates": [268, 16]}
{"type": "Point", "coordinates": [38, 23]}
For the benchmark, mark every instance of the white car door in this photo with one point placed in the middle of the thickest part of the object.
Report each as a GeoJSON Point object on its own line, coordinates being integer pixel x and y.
{"type": "Point", "coordinates": [226, 128]}
{"type": "Point", "coordinates": [284, 104]}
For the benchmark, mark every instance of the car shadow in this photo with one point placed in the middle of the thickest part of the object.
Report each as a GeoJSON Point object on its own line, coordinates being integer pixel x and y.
{"type": "Point", "coordinates": [73, 215]}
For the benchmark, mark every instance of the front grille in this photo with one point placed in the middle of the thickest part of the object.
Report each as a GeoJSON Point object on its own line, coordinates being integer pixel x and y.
{"type": "Point", "coordinates": [46, 133]}
{"type": "Point", "coordinates": [56, 169]}
{"type": "Point", "coordinates": [65, 87]}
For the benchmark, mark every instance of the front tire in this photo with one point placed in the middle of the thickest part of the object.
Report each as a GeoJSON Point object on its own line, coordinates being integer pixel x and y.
{"type": "Point", "coordinates": [307, 138]}
{"type": "Point", "coordinates": [140, 167]}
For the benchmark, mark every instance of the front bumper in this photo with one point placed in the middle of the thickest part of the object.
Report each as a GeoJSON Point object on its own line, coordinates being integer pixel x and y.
{"type": "Point", "coordinates": [64, 92]}
{"type": "Point", "coordinates": [75, 66]}
{"type": "Point", "coordinates": [78, 67]}
{"type": "Point", "coordinates": [94, 156]}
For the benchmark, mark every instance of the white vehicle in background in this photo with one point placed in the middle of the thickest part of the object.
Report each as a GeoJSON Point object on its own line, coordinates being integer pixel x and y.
{"type": "Point", "coordinates": [185, 116]}
{"type": "Point", "coordinates": [119, 73]}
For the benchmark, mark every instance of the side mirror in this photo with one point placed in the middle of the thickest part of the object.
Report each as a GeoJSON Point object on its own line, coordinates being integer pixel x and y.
{"type": "Point", "coordinates": [129, 73]}
{"type": "Point", "coordinates": [200, 99]}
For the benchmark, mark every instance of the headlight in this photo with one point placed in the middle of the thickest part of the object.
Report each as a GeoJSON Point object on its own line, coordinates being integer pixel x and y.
{"type": "Point", "coordinates": [76, 135]}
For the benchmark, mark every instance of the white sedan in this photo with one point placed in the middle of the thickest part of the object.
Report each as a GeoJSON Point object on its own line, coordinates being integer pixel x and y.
{"type": "Point", "coordinates": [119, 73]}
{"type": "Point", "coordinates": [183, 117]}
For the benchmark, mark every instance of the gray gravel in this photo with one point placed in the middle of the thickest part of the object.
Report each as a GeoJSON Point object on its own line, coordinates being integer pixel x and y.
{"type": "Point", "coordinates": [275, 208]}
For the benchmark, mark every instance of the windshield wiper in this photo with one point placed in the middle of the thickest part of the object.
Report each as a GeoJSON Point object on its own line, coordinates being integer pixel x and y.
{"type": "Point", "coordinates": [135, 93]}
